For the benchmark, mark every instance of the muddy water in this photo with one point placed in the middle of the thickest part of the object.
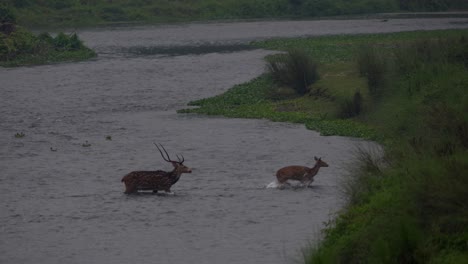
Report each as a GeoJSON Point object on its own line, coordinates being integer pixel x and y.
{"type": "Point", "coordinates": [61, 199]}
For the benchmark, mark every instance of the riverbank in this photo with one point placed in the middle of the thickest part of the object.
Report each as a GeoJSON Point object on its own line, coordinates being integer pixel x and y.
{"type": "Point", "coordinates": [406, 208]}
{"type": "Point", "coordinates": [68, 13]}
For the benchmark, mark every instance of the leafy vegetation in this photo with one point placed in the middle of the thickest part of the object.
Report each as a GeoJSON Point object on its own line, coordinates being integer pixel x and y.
{"type": "Point", "coordinates": [295, 69]}
{"type": "Point", "coordinates": [22, 47]}
{"type": "Point", "coordinates": [405, 207]}
{"type": "Point", "coordinates": [19, 46]}
{"type": "Point", "coordinates": [92, 12]}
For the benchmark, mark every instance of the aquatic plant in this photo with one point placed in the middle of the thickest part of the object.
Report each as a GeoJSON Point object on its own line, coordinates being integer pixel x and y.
{"type": "Point", "coordinates": [20, 135]}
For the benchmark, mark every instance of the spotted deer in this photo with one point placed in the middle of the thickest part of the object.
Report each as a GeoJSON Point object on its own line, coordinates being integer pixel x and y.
{"type": "Point", "coordinates": [156, 180]}
{"type": "Point", "coordinates": [300, 173]}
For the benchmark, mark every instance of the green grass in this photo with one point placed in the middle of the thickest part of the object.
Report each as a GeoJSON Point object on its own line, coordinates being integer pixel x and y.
{"type": "Point", "coordinates": [254, 100]}
{"type": "Point", "coordinates": [409, 206]}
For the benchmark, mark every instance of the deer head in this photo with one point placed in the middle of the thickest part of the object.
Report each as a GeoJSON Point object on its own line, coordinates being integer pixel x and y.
{"type": "Point", "coordinates": [320, 163]}
{"type": "Point", "coordinates": [179, 167]}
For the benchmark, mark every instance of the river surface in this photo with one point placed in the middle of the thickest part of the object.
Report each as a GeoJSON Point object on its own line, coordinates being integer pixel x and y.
{"type": "Point", "coordinates": [87, 124]}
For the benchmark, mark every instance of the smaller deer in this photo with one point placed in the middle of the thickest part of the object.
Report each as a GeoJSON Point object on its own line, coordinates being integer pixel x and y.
{"type": "Point", "coordinates": [300, 173]}
{"type": "Point", "coordinates": [155, 180]}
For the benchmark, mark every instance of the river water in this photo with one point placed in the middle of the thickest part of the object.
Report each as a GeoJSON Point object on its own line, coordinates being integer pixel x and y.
{"type": "Point", "coordinates": [61, 199]}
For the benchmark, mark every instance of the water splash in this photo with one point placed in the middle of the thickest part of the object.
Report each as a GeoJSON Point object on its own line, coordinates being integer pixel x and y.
{"type": "Point", "coordinates": [273, 185]}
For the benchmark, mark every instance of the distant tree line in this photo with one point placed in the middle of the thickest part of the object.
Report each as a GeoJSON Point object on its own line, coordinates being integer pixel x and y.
{"type": "Point", "coordinates": [75, 12]}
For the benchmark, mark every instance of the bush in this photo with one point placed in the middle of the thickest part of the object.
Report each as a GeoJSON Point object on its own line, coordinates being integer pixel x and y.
{"type": "Point", "coordinates": [7, 15]}
{"type": "Point", "coordinates": [75, 43]}
{"type": "Point", "coordinates": [351, 107]}
{"type": "Point", "coordinates": [296, 69]}
{"type": "Point", "coordinates": [372, 66]}
{"type": "Point", "coordinates": [64, 42]}
{"type": "Point", "coordinates": [46, 37]}
{"type": "Point", "coordinates": [61, 41]}
{"type": "Point", "coordinates": [22, 47]}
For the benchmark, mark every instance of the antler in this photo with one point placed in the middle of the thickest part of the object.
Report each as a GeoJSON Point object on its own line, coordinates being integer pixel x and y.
{"type": "Point", "coordinates": [168, 159]}
{"type": "Point", "coordinates": [180, 161]}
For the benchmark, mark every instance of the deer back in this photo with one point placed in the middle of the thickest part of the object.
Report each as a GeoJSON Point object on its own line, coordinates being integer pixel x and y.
{"type": "Point", "coordinates": [295, 172]}
{"type": "Point", "coordinates": [148, 180]}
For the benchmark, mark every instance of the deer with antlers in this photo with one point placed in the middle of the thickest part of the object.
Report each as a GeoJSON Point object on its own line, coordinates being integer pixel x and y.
{"type": "Point", "coordinates": [156, 180]}
{"type": "Point", "coordinates": [300, 173]}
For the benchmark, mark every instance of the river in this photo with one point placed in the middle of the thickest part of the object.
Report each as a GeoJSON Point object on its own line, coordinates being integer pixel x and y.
{"type": "Point", "coordinates": [87, 124]}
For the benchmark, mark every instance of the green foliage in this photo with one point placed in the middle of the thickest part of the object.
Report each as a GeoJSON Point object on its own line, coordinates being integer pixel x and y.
{"type": "Point", "coordinates": [22, 47]}
{"type": "Point", "coordinates": [7, 15]}
{"type": "Point", "coordinates": [295, 69]}
{"type": "Point", "coordinates": [64, 42]}
{"type": "Point", "coordinates": [410, 210]}
{"type": "Point", "coordinates": [351, 107]}
{"type": "Point", "coordinates": [372, 66]}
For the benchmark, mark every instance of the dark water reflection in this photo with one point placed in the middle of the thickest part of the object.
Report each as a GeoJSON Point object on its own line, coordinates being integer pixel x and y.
{"type": "Point", "coordinates": [68, 206]}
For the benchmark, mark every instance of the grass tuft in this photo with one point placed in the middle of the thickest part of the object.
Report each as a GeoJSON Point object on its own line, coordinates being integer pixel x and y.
{"type": "Point", "coordinates": [296, 69]}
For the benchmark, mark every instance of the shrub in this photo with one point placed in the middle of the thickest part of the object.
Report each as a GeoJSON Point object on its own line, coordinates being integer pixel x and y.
{"type": "Point", "coordinates": [7, 15]}
{"type": "Point", "coordinates": [64, 42]}
{"type": "Point", "coordinates": [22, 47]}
{"type": "Point", "coordinates": [365, 174]}
{"type": "Point", "coordinates": [46, 37]}
{"type": "Point", "coordinates": [296, 69]}
{"type": "Point", "coordinates": [74, 42]}
{"type": "Point", "coordinates": [7, 48]}
{"type": "Point", "coordinates": [351, 107]}
{"type": "Point", "coordinates": [372, 66]}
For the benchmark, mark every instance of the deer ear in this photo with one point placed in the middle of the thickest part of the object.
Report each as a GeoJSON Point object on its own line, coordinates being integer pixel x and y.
{"type": "Point", "coordinates": [315, 158]}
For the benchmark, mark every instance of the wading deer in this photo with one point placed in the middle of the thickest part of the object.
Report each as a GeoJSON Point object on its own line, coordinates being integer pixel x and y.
{"type": "Point", "coordinates": [300, 173]}
{"type": "Point", "coordinates": [155, 180]}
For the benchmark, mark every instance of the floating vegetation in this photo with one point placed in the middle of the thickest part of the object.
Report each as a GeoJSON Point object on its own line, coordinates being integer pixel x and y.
{"type": "Point", "coordinates": [20, 135]}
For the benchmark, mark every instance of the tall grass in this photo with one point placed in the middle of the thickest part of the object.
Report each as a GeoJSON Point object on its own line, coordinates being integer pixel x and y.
{"type": "Point", "coordinates": [365, 170]}
{"type": "Point", "coordinates": [351, 107]}
{"type": "Point", "coordinates": [413, 209]}
{"type": "Point", "coordinates": [373, 66]}
{"type": "Point", "coordinates": [296, 69]}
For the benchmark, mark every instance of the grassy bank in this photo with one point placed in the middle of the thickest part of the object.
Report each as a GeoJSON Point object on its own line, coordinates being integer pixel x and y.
{"type": "Point", "coordinates": [21, 48]}
{"type": "Point", "coordinates": [53, 13]}
{"type": "Point", "coordinates": [409, 207]}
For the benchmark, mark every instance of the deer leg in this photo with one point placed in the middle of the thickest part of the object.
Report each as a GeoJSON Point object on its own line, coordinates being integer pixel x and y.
{"type": "Point", "coordinates": [283, 184]}
{"type": "Point", "coordinates": [130, 189]}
